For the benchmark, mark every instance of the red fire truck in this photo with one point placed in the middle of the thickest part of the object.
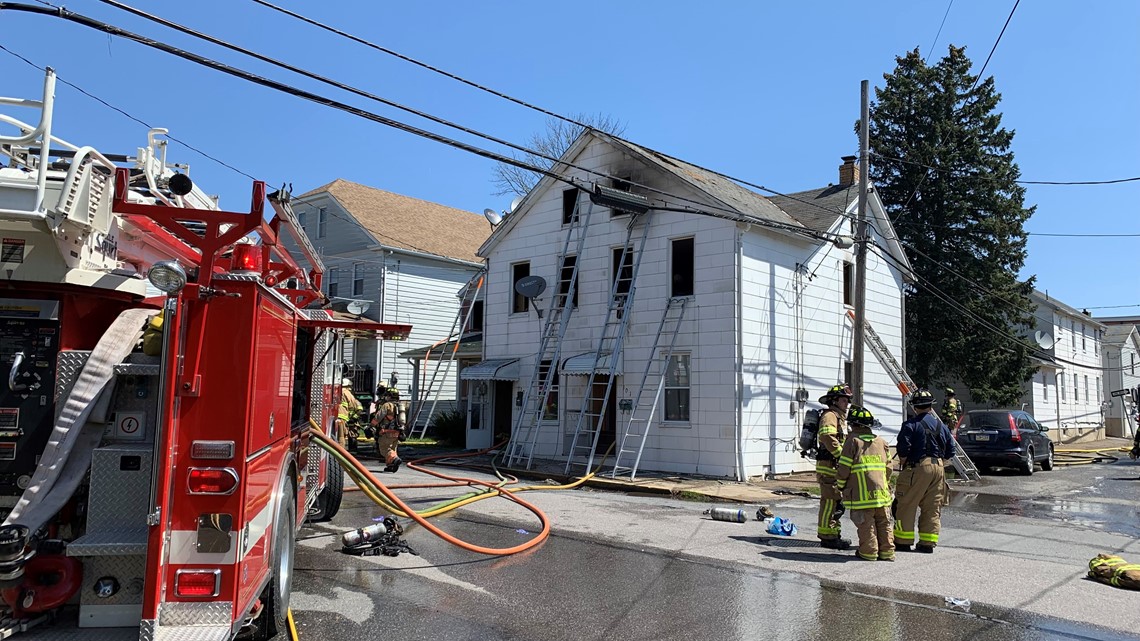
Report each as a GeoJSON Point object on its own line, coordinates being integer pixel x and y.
{"type": "Point", "coordinates": [164, 366]}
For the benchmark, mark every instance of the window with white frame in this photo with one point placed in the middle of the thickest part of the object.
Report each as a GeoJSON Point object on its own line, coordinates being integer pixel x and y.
{"type": "Point", "coordinates": [1083, 334]}
{"type": "Point", "coordinates": [1099, 393]}
{"type": "Point", "coordinates": [301, 219]}
{"type": "Point", "coordinates": [358, 279]}
{"type": "Point", "coordinates": [1132, 358]}
{"type": "Point", "coordinates": [519, 303]}
{"type": "Point", "coordinates": [322, 222]}
{"type": "Point", "coordinates": [678, 380]}
{"type": "Point", "coordinates": [848, 283]}
{"type": "Point", "coordinates": [1045, 385]}
{"type": "Point", "coordinates": [1073, 333]}
{"type": "Point", "coordinates": [1061, 386]}
{"type": "Point", "coordinates": [681, 267]}
{"type": "Point", "coordinates": [1087, 399]}
{"type": "Point", "coordinates": [1076, 389]}
{"type": "Point", "coordinates": [333, 281]}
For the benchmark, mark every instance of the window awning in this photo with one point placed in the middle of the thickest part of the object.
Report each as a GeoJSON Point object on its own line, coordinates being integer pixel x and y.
{"type": "Point", "coordinates": [356, 326]}
{"type": "Point", "coordinates": [583, 364]}
{"type": "Point", "coordinates": [494, 369]}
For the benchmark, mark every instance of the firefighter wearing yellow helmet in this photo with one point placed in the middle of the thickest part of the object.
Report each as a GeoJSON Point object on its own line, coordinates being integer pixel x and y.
{"type": "Point", "coordinates": [862, 476]}
{"type": "Point", "coordinates": [924, 446]}
{"type": "Point", "coordinates": [348, 415]}
{"type": "Point", "coordinates": [951, 408]}
{"type": "Point", "coordinates": [832, 431]}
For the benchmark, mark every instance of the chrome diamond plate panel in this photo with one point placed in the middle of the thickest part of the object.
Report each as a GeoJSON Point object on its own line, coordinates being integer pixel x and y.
{"type": "Point", "coordinates": [113, 542]}
{"type": "Point", "coordinates": [108, 505]}
{"type": "Point", "coordinates": [253, 278]}
{"type": "Point", "coordinates": [68, 367]}
{"type": "Point", "coordinates": [146, 629]}
{"type": "Point", "coordinates": [317, 385]}
{"type": "Point", "coordinates": [198, 615]}
{"type": "Point", "coordinates": [137, 369]}
{"type": "Point", "coordinates": [192, 633]}
{"type": "Point", "coordinates": [128, 570]}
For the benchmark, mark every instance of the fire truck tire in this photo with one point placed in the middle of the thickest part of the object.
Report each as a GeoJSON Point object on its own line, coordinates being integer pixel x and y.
{"type": "Point", "coordinates": [328, 503]}
{"type": "Point", "coordinates": [274, 616]}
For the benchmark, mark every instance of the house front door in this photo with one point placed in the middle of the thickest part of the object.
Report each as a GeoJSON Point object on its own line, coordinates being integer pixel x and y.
{"type": "Point", "coordinates": [609, 421]}
{"type": "Point", "coordinates": [502, 410]}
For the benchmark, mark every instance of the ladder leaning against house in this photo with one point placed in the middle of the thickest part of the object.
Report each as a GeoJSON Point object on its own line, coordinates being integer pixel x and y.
{"type": "Point", "coordinates": [962, 463]}
{"type": "Point", "coordinates": [656, 367]}
{"type": "Point", "coordinates": [592, 415]}
{"type": "Point", "coordinates": [544, 379]}
{"type": "Point", "coordinates": [458, 327]}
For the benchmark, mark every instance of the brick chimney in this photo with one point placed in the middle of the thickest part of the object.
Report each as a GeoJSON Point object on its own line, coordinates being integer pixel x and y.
{"type": "Point", "coordinates": [848, 171]}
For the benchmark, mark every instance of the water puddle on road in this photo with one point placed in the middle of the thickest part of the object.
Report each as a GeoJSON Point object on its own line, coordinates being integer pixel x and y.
{"type": "Point", "coordinates": [1101, 515]}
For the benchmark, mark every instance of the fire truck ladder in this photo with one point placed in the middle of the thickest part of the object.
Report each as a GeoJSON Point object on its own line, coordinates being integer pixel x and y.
{"type": "Point", "coordinates": [462, 322]}
{"type": "Point", "coordinates": [544, 380]}
{"type": "Point", "coordinates": [962, 463]}
{"type": "Point", "coordinates": [588, 427]}
{"type": "Point", "coordinates": [637, 428]}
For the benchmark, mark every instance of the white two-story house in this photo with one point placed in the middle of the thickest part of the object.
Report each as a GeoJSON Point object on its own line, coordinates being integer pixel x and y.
{"type": "Point", "coordinates": [766, 326]}
{"type": "Point", "coordinates": [394, 259]}
{"type": "Point", "coordinates": [1121, 357]}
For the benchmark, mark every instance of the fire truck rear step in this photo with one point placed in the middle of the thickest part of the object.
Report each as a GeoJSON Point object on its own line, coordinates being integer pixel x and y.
{"type": "Point", "coordinates": [113, 542]}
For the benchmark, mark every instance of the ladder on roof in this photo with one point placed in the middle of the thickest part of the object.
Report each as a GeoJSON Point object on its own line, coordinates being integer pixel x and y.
{"type": "Point", "coordinates": [467, 298]}
{"type": "Point", "coordinates": [961, 461]}
{"type": "Point", "coordinates": [656, 367]}
{"type": "Point", "coordinates": [592, 415]}
{"type": "Point", "coordinates": [544, 377]}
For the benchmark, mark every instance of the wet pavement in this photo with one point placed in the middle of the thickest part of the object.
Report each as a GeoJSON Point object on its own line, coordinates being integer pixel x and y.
{"type": "Point", "coordinates": [577, 586]}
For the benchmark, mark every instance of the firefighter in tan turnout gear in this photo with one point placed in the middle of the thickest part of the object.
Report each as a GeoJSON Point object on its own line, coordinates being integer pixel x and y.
{"type": "Point", "coordinates": [863, 478]}
{"type": "Point", "coordinates": [388, 423]}
{"type": "Point", "coordinates": [924, 446]}
{"type": "Point", "coordinates": [832, 430]}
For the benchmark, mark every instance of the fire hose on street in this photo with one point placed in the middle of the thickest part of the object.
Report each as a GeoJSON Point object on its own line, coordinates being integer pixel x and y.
{"type": "Point", "coordinates": [1075, 456]}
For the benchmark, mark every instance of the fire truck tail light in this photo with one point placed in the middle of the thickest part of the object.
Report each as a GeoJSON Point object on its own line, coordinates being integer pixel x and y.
{"type": "Point", "coordinates": [247, 258]}
{"type": "Point", "coordinates": [212, 480]}
{"type": "Point", "coordinates": [197, 583]}
{"type": "Point", "coordinates": [219, 450]}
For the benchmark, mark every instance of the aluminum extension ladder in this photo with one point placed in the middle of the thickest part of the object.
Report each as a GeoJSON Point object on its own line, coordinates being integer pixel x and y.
{"type": "Point", "coordinates": [458, 327]}
{"type": "Point", "coordinates": [962, 463]}
{"type": "Point", "coordinates": [544, 379]}
{"type": "Point", "coordinates": [637, 427]}
{"type": "Point", "coordinates": [588, 425]}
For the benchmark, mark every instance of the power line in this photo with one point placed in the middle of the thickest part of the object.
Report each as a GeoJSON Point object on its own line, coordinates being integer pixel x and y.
{"type": "Point", "coordinates": [959, 174]}
{"type": "Point", "coordinates": [931, 50]}
{"type": "Point", "coordinates": [987, 62]}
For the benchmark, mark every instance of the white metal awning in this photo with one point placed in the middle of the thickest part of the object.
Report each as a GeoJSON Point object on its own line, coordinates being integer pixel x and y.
{"type": "Point", "coordinates": [492, 369]}
{"type": "Point", "coordinates": [583, 364]}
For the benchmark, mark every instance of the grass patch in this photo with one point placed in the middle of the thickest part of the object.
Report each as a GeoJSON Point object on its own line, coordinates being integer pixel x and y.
{"type": "Point", "coordinates": [422, 441]}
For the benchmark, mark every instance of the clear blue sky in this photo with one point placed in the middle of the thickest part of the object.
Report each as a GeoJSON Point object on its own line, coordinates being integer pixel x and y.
{"type": "Point", "coordinates": [764, 91]}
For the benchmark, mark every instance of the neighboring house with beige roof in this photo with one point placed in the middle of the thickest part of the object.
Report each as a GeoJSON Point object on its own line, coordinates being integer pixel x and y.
{"type": "Point", "coordinates": [406, 257]}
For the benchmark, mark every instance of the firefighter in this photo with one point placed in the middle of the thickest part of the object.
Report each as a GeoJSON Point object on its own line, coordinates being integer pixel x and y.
{"type": "Point", "coordinates": [832, 430]}
{"type": "Point", "coordinates": [951, 408]}
{"type": "Point", "coordinates": [348, 415]}
{"type": "Point", "coordinates": [388, 423]}
{"type": "Point", "coordinates": [924, 446]}
{"type": "Point", "coordinates": [863, 478]}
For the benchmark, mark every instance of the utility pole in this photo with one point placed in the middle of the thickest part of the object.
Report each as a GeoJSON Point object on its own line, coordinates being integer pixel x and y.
{"type": "Point", "coordinates": [861, 240]}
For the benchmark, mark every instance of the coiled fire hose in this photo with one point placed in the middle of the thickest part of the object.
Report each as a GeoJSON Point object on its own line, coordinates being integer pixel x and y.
{"type": "Point", "coordinates": [1073, 456]}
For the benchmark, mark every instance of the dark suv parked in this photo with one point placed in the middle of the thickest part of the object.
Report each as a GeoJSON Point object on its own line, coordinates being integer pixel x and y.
{"type": "Point", "coordinates": [1004, 438]}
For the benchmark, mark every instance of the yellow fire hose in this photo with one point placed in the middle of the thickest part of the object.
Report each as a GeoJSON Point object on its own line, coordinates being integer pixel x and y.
{"type": "Point", "coordinates": [1069, 456]}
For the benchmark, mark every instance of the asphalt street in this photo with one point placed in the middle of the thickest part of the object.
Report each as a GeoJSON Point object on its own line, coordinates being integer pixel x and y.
{"type": "Point", "coordinates": [636, 567]}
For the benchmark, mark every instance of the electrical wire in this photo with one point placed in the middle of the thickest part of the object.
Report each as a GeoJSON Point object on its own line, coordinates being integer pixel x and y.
{"type": "Point", "coordinates": [987, 62]}
{"type": "Point", "coordinates": [944, 16]}
{"type": "Point", "coordinates": [957, 173]}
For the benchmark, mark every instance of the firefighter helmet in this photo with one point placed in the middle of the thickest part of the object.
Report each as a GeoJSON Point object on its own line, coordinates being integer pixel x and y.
{"type": "Point", "coordinates": [346, 382]}
{"type": "Point", "coordinates": [857, 415]}
{"type": "Point", "coordinates": [950, 391]}
{"type": "Point", "coordinates": [922, 398]}
{"type": "Point", "coordinates": [837, 391]}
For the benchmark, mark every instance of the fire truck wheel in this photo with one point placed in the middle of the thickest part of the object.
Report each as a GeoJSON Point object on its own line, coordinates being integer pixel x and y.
{"type": "Point", "coordinates": [275, 599]}
{"type": "Point", "coordinates": [328, 503]}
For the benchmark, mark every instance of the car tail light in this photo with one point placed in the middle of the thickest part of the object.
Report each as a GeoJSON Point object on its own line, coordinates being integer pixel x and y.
{"type": "Point", "coordinates": [197, 583]}
{"type": "Point", "coordinates": [1014, 433]}
{"type": "Point", "coordinates": [954, 430]}
{"type": "Point", "coordinates": [212, 480]}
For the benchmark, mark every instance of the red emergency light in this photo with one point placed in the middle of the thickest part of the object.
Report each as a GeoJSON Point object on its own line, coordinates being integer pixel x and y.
{"type": "Point", "coordinates": [212, 480]}
{"type": "Point", "coordinates": [247, 258]}
{"type": "Point", "coordinates": [198, 583]}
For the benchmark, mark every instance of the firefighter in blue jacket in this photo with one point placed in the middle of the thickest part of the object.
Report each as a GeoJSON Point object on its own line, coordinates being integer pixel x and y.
{"type": "Point", "coordinates": [924, 446]}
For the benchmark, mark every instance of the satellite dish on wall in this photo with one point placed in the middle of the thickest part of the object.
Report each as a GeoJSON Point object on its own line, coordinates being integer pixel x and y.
{"type": "Point", "coordinates": [1044, 339]}
{"type": "Point", "coordinates": [515, 204]}
{"type": "Point", "coordinates": [492, 216]}
{"type": "Point", "coordinates": [358, 307]}
{"type": "Point", "coordinates": [531, 286]}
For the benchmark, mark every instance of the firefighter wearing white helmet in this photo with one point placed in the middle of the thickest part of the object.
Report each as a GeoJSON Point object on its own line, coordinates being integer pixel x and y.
{"type": "Point", "coordinates": [832, 431]}
{"type": "Point", "coordinates": [924, 446]}
{"type": "Point", "coordinates": [347, 414]}
{"type": "Point", "coordinates": [389, 421]}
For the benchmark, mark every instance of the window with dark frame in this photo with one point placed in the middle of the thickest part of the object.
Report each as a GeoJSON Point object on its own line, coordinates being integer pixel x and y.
{"type": "Point", "coordinates": [550, 409]}
{"type": "Point", "coordinates": [475, 324]}
{"type": "Point", "coordinates": [677, 387]}
{"type": "Point", "coordinates": [358, 279]}
{"type": "Point", "coordinates": [301, 219]}
{"type": "Point", "coordinates": [565, 279]}
{"type": "Point", "coordinates": [322, 222]}
{"type": "Point", "coordinates": [569, 206]}
{"type": "Point", "coordinates": [848, 283]}
{"type": "Point", "coordinates": [334, 281]}
{"type": "Point", "coordinates": [519, 271]}
{"type": "Point", "coordinates": [681, 269]}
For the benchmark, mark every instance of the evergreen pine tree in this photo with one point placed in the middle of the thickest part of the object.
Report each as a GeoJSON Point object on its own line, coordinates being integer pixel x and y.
{"type": "Point", "coordinates": [942, 166]}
